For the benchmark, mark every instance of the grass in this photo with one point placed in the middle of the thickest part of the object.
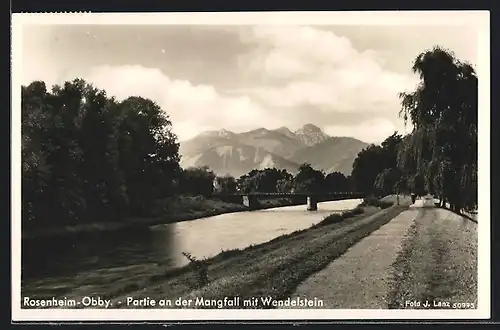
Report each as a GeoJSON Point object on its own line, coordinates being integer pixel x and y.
{"type": "Point", "coordinates": [438, 262]}
{"type": "Point", "coordinates": [472, 216]}
{"type": "Point", "coordinates": [468, 214]}
{"type": "Point", "coordinates": [273, 268]}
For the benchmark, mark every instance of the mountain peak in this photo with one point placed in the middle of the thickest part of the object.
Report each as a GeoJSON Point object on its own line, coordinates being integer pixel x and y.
{"type": "Point", "coordinates": [260, 130]}
{"type": "Point", "coordinates": [311, 134]}
{"type": "Point", "coordinates": [311, 128]}
{"type": "Point", "coordinates": [222, 133]}
{"type": "Point", "coordinates": [283, 130]}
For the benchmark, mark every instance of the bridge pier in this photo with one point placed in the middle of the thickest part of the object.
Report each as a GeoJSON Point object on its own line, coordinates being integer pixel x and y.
{"type": "Point", "coordinates": [312, 203]}
{"type": "Point", "coordinates": [250, 201]}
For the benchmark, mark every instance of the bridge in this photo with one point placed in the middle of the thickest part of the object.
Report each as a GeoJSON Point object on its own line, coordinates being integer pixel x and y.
{"type": "Point", "coordinates": [311, 198]}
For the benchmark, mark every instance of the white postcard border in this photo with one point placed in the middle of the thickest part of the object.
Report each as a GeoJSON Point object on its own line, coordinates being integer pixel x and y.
{"type": "Point", "coordinates": [478, 19]}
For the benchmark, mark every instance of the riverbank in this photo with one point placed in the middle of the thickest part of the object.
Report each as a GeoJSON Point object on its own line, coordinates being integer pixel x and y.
{"type": "Point", "coordinates": [180, 209]}
{"type": "Point", "coordinates": [274, 268]}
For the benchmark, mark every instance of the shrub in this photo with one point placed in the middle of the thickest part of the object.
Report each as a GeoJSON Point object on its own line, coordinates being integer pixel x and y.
{"type": "Point", "coordinates": [200, 269]}
{"type": "Point", "coordinates": [373, 201]}
{"type": "Point", "coordinates": [337, 217]}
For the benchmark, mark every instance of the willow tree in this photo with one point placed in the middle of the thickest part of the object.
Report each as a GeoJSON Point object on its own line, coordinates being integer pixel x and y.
{"type": "Point", "coordinates": [442, 148]}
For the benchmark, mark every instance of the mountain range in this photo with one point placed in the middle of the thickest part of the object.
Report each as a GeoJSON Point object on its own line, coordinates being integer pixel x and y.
{"type": "Point", "coordinates": [226, 152]}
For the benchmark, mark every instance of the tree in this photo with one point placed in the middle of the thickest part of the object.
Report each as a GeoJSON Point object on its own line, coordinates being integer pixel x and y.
{"type": "Point", "coordinates": [442, 148]}
{"type": "Point", "coordinates": [350, 182]}
{"type": "Point", "coordinates": [387, 181]}
{"type": "Point", "coordinates": [391, 146]}
{"type": "Point", "coordinates": [197, 181]}
{"type": "Point", "coordinates": [263, 181]}
{"type": "Point", "coordinates": [225, 184]}
{"type": "Point", "coordinates": [284, 186]}
{"type": "Point", "coordinates": [148, 151]}
{"type": "Point", "coordinates": [366, 167]}
{"type": "Point", "coordinates": [308, 179]}
{"type": "Point", "coordinates": [375, 169]}
{"type": "Point", "coordinates": [336, 182]}
{"type": "Point", "coordinates": [36, 172]}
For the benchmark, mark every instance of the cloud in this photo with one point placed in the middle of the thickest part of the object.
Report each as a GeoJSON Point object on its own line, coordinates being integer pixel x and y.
{"type": "Point", "coordinates": [192, 108]}
{"type": "Point", "coordinates": [321, 69]}
{"type": "Point", "coordinates": [288, 76]}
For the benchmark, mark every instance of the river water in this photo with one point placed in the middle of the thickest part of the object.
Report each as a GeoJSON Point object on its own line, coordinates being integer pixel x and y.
{"type": "Point", "coordinates": [164, 244]}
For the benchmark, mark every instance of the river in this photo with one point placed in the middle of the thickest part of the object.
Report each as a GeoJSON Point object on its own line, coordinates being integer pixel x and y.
{"type": "Point", "coordinates": [163, 244]}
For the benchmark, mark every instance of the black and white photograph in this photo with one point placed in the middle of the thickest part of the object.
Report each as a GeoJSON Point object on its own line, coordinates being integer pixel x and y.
{"type": "Point", "coordinates": [238, 166]}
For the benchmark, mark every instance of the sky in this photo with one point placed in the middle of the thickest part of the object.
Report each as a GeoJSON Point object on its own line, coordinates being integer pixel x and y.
{"type": "Point", "coordinates": [343, 79]}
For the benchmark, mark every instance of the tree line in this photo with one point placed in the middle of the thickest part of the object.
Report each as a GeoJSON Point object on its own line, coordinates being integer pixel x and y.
{"type": "Point", "coordinates": [439, 156]}
{"type": "Point", "coordinates": [203, 181]}
{"type": "Point", "coordinates": [86, 156]}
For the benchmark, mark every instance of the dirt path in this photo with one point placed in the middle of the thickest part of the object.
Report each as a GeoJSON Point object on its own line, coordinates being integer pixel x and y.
{"type": "Point", "coordinates": [425, 257]}
{"type": "Point", "coordinates": [360, 277]}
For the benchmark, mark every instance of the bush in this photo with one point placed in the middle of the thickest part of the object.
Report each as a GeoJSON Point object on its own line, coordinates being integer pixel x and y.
{"type": "Point", "coordinates": [337, 217]}
{"type": "Point", "coordinates": [199, 268]}
{"type": "Point", "coordinates": [373, 201]}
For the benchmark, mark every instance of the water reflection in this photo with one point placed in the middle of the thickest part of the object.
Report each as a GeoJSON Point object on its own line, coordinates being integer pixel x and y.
{"type": "Point", "coordinates": [163, 244]}
{"type": "Point", "coordinates": [44, 258]}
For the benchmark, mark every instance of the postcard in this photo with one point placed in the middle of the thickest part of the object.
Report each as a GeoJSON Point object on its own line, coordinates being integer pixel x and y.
{"type": "Point", "coordinates": [250, 166]}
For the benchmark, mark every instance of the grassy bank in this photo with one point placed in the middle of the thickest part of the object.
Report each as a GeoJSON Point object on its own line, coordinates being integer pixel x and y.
{"type": "Point", "coordinates": [274, 268]}
{"type": "Point", "coordinates": [472, 216]}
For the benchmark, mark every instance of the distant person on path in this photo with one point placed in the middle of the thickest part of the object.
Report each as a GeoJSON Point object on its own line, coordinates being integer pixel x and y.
{"type": "Point", "coordinates": [413, 198]}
